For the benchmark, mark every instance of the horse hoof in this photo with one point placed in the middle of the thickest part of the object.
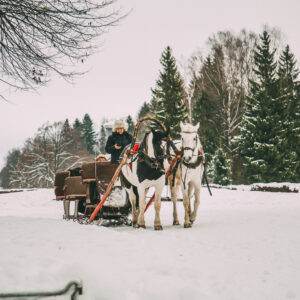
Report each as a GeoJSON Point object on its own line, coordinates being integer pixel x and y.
{"type": "Point", "coordinates": [158, 227]}
{"type": "Point", "coordinates": [176, 223]}
{"type": "Point", "coordinates": [187, 225]}
{"type": "Point", "coordinates": [141, 226]}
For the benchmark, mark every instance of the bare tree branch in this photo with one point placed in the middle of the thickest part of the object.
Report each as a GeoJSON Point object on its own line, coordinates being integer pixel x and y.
{"type": "Point", "coordinates": [40, 37]}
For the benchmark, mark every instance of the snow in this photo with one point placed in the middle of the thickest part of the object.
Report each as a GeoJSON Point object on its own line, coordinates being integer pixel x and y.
{"type": "Point", "coordinates": [243, 245]}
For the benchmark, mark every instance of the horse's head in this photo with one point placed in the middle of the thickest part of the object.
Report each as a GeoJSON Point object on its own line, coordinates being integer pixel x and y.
{"type": "Point", "coordinates": [190, 141]}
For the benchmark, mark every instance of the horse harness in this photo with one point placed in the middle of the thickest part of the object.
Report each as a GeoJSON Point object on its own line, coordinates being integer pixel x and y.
{"type": "Point", "coordinates": [152, 162]}
{"type": "Point", "coordinates": [194, 165]}
{"type": "Point", "coordinates": [200, 156]}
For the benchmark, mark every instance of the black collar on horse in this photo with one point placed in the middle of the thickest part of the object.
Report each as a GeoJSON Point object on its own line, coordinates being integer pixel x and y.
{"type": "Point", "coordinates": [156, 162]}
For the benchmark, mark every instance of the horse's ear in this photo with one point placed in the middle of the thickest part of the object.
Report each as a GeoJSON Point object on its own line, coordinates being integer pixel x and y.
{"type": "Point", "coordinates": [197, 126]}
{"type": "Point", "coordinates": [181, 125]}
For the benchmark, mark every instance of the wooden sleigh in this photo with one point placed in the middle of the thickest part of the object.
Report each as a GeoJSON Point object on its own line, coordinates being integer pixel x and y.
{"type": "Point", "coordinates": [86, 190]}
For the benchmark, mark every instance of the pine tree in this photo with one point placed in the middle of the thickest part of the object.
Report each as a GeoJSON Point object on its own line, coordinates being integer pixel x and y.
{"type": "Point", "coordinates": [221, 169]}
{"type": "Point", "coordinates": [10, 165]}
{"type": "Point", "coordinates": [77, 135]}
{"type": "Point", "coordinates": [77, 124]}
{"type": "Point", "coordinates": [67, 134]}
{"type": "Point", "coordinates": [88, 132]}
{"type": "Point", "coordinates": [261, 127]}
{"type": "Point", "coordinates": [145, 110]}
{"type": "Point", "coordinates": [169, 95]}
{"type": "Point", "coordinates": [203, 111]}
{"type": "Point", "coordinates": [102, 139]}
{"type": "Point", "coordinates": [289, 90]}
{"type": "Point", "coordinates": [130, 124]}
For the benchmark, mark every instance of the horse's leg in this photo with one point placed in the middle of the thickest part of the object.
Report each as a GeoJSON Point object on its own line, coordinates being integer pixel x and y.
{"type": "Point", "coordinates": [190, 191]}
{"type": "Point", "coordinates": [132, 198]}
{"type": "Point", "coordinates": [186, 205]}
{"type": "Point", "coordinates": [174, 190]}
{"type": "Point", "coordinates": [197, 185]}
{"type": "Point", "coordinates": [157, 205]}
{"type": "Point", "coordinates": [196, 203]}
{"type": "Point", "coordinates": [142, 207]}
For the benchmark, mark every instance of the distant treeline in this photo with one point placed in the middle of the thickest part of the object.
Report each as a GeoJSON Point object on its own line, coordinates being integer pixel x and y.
{"type": "Point", "coordinates": [245, 93]}
{"type": "Point", "coordinates": [55, 147]}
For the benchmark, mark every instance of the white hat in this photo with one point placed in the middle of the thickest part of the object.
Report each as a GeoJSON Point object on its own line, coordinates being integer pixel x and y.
{"type": "Point", "coordinates": [119, 124]}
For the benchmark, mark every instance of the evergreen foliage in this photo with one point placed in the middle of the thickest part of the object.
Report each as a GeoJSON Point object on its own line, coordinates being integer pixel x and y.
{"type": "Point", "coordinates": [231, 84]}
{"type": "Point", "coordinates": [221, 83]}
{"type": "Point", "coordinates": [77, 135]}
{"type": "Point", "coordinates": [144, 111]}
{"type": "Point", "coordinates": [290, 94]}
{"type": "Point", "coordinates": [203, 111]}
{"type": "Point", "coordinates": [67, 134]}
{"type": "Point", "coordinates": [77, 124]}
{"type": "Point", "coordinates": [10, 165]}
{"type": "Point", "coordinates": [130, 125]}
{"type": "Point", "coordinates": [221, 169]}
{"type": "Point", "coordinates": [88, 133]}
{"type": "Point", "coordinates": [262, 122]}
{"type": "Point", "coordinates": [102, 139]}
{"type": "Point", "coordinates": [168, 100]}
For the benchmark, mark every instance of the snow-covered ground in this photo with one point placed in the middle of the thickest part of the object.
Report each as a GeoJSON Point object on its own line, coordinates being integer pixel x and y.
{"type": "Point", "coordinates": [243, 245]}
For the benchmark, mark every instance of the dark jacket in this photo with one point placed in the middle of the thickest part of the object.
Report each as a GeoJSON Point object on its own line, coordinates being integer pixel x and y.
{"type": "Point", "coordinates": [119, 139]}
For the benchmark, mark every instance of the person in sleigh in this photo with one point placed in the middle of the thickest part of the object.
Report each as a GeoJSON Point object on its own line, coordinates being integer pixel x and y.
{"type": "Point", "coordinates": [117, 141]}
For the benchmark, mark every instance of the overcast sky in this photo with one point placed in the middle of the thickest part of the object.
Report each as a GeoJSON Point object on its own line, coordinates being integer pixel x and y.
{"type": "Point", "coordinates": [127, 65]}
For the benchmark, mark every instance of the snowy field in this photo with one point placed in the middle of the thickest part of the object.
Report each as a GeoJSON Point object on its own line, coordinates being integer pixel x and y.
{"type": "Point", "coordinates": [243, 245]}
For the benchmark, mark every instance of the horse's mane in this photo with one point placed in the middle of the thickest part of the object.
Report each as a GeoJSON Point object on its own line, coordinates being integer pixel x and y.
{"type": "Point", "coordinates": [144, 142]}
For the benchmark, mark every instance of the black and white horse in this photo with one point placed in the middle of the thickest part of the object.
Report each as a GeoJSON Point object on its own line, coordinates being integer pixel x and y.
{"type": "Point", "coordinates": [143, 171]}
{"type": "Point", "coordinates": [189, 173]}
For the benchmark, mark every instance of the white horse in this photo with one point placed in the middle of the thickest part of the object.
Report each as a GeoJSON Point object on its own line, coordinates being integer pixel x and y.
{"type": "Point", "coordinates": [145, 171]}
{"type": "Point", "coordinates": [189, 174]}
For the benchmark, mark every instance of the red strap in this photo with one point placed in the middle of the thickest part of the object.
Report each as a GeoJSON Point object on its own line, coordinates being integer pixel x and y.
{"type": "Point", "coordinates": [135, 147]}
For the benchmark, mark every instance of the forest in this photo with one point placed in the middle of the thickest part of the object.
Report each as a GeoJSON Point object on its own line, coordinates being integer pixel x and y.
{"type": "Point", "coordinates": [245, 93]}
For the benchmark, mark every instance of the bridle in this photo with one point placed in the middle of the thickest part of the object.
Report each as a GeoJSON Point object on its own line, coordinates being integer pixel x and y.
{"type": "Point", "coordinates": [193, 165]}
{"type": "Point", "coordinates": [199, 155]}
{"type": "Point", "coordinates": [189, 148]}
